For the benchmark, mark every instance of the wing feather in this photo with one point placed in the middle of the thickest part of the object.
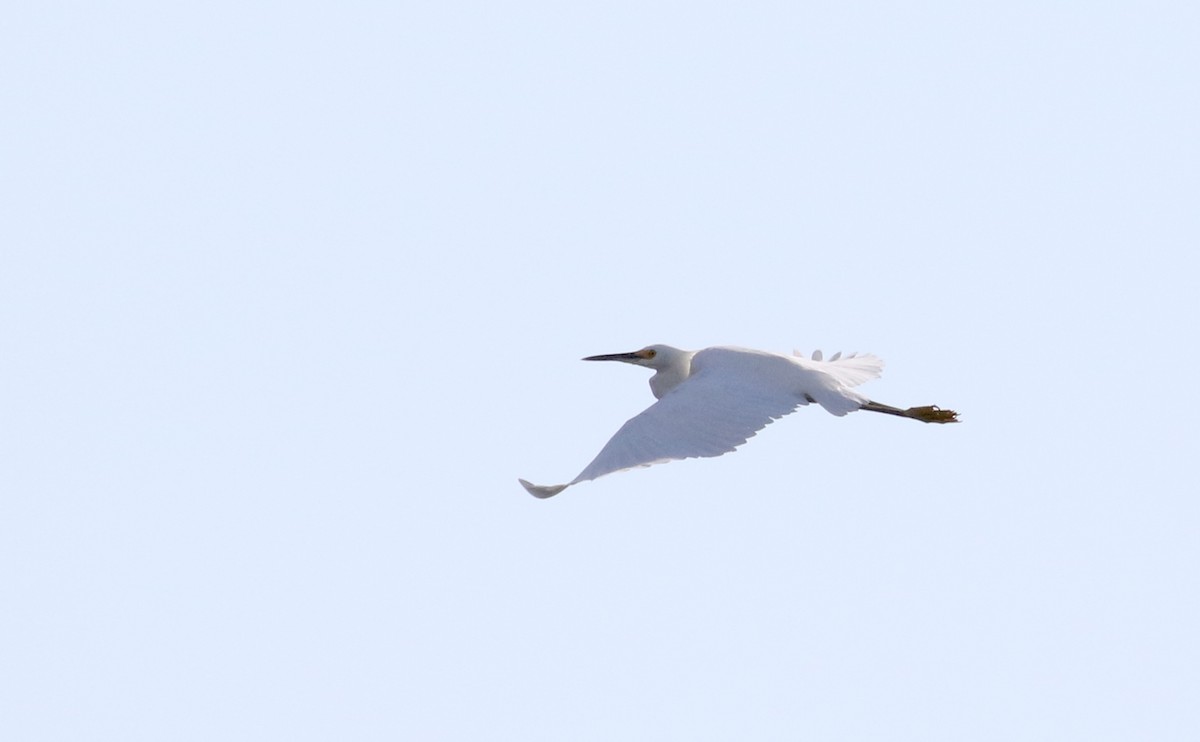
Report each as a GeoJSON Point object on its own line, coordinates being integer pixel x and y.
{"type": "Point", "coordinates": [851, 370]}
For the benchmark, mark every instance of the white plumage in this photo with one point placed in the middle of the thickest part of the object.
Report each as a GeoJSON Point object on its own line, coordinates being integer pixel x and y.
{"type": "Point", "coordinates": [712, 401]}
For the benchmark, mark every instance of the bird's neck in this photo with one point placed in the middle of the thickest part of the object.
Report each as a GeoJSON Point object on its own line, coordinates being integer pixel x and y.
{"type": "Point", "coordinates": [671, 376]}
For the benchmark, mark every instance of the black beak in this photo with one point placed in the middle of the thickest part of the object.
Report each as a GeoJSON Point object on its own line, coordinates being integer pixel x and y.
{"type": "Point", "coordinates": [627, 357]}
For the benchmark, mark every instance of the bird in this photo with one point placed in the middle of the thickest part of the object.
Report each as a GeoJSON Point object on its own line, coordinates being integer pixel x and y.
{"type": "Point", "coordinates": [713, 400]}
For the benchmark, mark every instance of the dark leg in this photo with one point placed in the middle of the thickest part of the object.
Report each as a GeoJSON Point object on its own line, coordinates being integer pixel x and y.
{"type": "Point", "coordinates": [928, 414]}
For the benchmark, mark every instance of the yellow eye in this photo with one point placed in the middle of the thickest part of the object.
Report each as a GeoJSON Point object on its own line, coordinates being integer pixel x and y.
{"type": "Point", "coordinates": [651, 353]}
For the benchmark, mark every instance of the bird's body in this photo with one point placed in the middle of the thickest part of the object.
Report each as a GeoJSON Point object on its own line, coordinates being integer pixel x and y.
{"type": "Point", "coordinates": [713, 400]}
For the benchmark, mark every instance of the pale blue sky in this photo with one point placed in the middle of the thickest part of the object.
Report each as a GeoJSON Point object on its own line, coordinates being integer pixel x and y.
{"type": "Point", "coordinates": [292, 294]}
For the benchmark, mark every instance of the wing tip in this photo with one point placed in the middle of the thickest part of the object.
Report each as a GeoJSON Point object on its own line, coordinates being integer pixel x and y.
{"type": "Point", "coordinates": [542, 492]}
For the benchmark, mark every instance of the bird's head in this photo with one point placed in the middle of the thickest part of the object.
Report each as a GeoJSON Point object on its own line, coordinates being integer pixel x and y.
{"type": "Point", "coordinates": [671, 365]}
{"type": "Point", "coordinates": [652, 356]}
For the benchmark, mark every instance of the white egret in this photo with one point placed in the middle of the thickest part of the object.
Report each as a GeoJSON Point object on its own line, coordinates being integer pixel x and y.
{"type": "Point", "coordinates": [711, 401]}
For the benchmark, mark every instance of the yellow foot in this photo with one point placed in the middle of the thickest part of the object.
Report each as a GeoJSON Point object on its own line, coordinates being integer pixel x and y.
{"type": "Point", "coordinates": [932, 414]}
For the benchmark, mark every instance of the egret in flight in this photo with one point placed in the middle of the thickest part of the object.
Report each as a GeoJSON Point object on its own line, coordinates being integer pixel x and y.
{"type": "Point", "coordinates": [711, 401]}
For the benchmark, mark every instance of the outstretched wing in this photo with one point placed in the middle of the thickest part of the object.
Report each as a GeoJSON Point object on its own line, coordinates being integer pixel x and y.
{"type": "Point", "coordinates": [730, 395]}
